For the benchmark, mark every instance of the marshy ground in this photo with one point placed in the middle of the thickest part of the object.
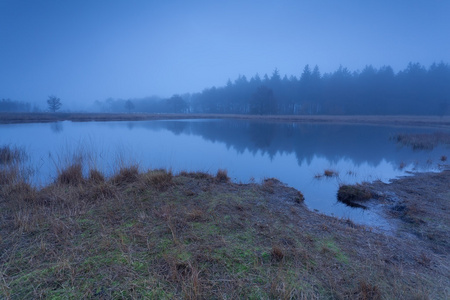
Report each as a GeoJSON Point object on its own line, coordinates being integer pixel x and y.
{"type": "Point", "coordinates": [158, 235]}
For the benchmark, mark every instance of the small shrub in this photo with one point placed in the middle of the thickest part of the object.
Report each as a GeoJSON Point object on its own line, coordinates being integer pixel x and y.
{"type": "Point", "coordinates": [222, 176]}
{"type": "Point", "coordinates": [72, 175]}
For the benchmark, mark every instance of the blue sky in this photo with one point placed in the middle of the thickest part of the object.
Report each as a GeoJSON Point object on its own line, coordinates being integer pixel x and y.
{"type": "Point", "coordinates": [83, 51]}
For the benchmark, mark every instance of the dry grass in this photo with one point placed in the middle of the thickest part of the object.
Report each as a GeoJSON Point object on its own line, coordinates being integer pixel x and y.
{"type": "Point", "coordinates": [9, 155]}
{"type": "Point", "coordinates": [327, 173]}
{"type": "Point", "coordinates": [352, 195]}
{"type": "Point", "coordinates": [158, 179]}
{"type": "Point", "coordinates": [268, 185]}
{"type": "Point", "coordinates": [126, 174]}
{"type": "Point", "coordinates": [330, 173]}
{"type": "Point", "coordinates": [222, 176]}
{"type": "Point", "coordinates": [156, 235]}
{"type": "Point", "coordinates": [422, 141]}
{"type": "Point", "coordinates": [96, 177]}
{"type": "Point", "coordinates": [8, 174]}
{"type": "Point", "coordinates": [72, 175]}
{"type": "Point", "coordinates": [196, 175]}
{"type": "Point", "coordinates": [12, 171]}
{"type": "Point", "coordinates": [277, 253]}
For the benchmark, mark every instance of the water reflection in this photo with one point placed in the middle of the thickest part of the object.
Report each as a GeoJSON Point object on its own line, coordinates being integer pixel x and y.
{"type": "Point", "coordinates": [360, 143]}
{"type": "Point", "coordinates": [56, 127]}
{"type": "Point", "coordinates": [292, 152]}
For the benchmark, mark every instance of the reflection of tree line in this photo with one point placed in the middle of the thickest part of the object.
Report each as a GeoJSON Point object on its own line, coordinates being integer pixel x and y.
{"type": "Point", "coordinates": [358, 142]}
{"type": "Point", "coordinates": [56, 127]}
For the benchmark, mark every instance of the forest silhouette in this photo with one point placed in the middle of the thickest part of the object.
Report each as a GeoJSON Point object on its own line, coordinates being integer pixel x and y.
{"type": "Point", "coordinates": [416, 90]}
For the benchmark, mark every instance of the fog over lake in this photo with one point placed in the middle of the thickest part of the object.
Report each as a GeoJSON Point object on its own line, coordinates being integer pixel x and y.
{"type": "Point", "coordinates": [250, 151]}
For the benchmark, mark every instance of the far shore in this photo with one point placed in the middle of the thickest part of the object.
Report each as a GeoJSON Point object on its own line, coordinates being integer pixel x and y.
{"type": "Point", "coordinates": [402, 120]}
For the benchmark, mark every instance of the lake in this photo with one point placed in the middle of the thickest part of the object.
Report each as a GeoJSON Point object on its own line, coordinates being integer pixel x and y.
{"type": "Point", "coordinates": [295, 153]}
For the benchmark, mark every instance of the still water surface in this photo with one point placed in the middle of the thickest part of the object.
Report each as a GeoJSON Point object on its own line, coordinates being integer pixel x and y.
{"type": "Point", "coordinates": [250, 151]}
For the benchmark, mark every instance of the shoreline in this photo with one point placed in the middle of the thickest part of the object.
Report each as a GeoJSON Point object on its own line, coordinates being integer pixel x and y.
{"type": "Point", "coordinates": [176, 235]}
{"type": "Point", "coordinates": [430, 121]}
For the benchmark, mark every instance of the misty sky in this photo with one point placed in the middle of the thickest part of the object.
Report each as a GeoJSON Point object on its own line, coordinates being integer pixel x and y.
{"type": "Point", "coordinates": [83, 51]}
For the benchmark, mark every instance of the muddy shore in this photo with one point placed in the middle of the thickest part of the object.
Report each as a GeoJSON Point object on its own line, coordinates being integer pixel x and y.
{"type": "Point", "coordinates": [418, 207]}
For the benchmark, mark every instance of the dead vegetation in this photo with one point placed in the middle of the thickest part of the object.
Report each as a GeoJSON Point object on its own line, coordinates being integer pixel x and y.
{"type": "Point", "coordinates": [422, 141]}
{"type": "Point", "coordinates": [157, 235]}
{"type": "Point", "coordinates": [328, 173]}
{"type": "Point", "coordinates": [9, 155]}
{"type": "Point", "coordinates": [72, 175]}
{"type": "Point", "coordinates": [353, 195]}
{"type": "Point", "coordinates": [222, 176]}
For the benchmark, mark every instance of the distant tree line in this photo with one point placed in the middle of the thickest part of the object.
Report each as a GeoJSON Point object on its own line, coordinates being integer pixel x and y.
{"type": "Point", "coordinates": [174, 104]}
{"type": "Point", "coordinates": [416, 90]}
{"type": "Point", "coordinates": [8, 105]}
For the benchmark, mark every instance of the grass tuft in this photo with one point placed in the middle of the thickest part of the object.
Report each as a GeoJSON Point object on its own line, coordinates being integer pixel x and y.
{"type": "Point", "coordinates": [195, 215]}
{"type": "Point", "coordinates": [268, 185]}
{"type": "Point", "coordinates": [8, 175]}
{"type": "Point", "coordinates": [330, 173]}
{"type": "Point", "coordinates": [126, 175]}
{"type": "Point", "coordinates": [299, 198]}
{"type": "Point", "coordinates": [422, 141]}
{"type": "Point", "coordinates": [95, 176]}
{"type": "Point", "coordinates": [196, 175]}
{"type": "Point", "coordinates": [367, 291]}
{"type": "Point", "coordinates": [9, 155]}
{"type": "Point", "coordinates": [350, 194]}
{"type": "Point", "coordinates": [72, 175]}
{"type": "Point", "coordinates": [277, 253]}
{"type": "Point", "coordinates": [222, 176]}
{"type": "Point", "coordinates": [159, 179]}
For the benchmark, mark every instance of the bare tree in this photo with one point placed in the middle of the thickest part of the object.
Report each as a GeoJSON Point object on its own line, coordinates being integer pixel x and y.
{"type": "Point", "coordinates": [54, 103]}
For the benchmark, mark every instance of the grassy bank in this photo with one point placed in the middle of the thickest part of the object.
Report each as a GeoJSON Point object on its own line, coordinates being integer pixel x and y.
{"type": "Point", "coordinates": [434, 121]}
{"type": "Point", "coordinates": [160, 235]}
{"type": "Point", "coordinates": [423, 141]}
